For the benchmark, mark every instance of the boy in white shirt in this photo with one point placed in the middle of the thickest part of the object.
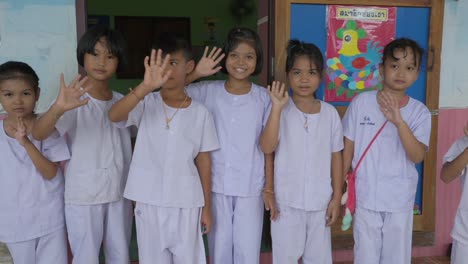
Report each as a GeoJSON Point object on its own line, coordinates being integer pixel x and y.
{"type": "Point", "coordinates": [455, 165]}
{"type": "Point", "coordinates": [170, 177]}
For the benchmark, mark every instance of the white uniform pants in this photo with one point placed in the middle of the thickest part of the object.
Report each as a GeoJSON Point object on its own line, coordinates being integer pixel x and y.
{"type": "Point", "coordinates": [168, 235]}
{"type": "Point", "coordinates": [237, 231]}
{"type": "Point", "coordinates": [382, 237]}
{"type": "Point", "coordinates": [300, 234]}
{"type": "Point", "coordinates": [51, 248]}
{"type": "Point", "coordinates": [89, 226]}
{"type": "Point", "coordinates": [459, 253]}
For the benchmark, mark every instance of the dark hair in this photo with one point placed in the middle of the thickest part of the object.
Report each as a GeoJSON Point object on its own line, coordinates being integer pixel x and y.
{"type": "Point", "coordinates": [403, 44]}
{"type": "Point", "coordinates": [170, 42]}
{"type": "Point", "coordinates": [15, 70]}
{"type": "Point", "coordinates": [115, 44]}
{"type": "Point", "coordinates": [298, 48]}
{"type": "Point", "coordinates": [243, 35]}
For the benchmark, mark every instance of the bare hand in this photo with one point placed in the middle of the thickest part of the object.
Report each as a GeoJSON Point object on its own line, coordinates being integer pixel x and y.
{"type": "Point", "coordinates": [466, 129]}
{"type": "Point", "coordinates": [206, 220]}
{"type": "Point", "coordinates": [270, 205]}
{"type": "Point", "coordinates": [69, 97]}
{"type": "Point", "coordinates": [278, 94]}
{"type": "Point", "coordinates": [333, 211]}
{"type": "Point", "coordinates": [390, 107]}
{"type": "Point", "coordinates": [207, 64]}
{"type": "Point", "coordinates": [20, 131]}
{"type": "Point", "coordinates": [156, 72]}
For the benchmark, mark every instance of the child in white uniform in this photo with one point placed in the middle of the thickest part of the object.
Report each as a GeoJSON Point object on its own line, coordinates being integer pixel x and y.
{"type": "Point", "coordinates": [307, 138]}
{"type": "Point", "coordinates": [170, 176]}
{"type": "Point", "coordinates": [240, 109]}
{"type": "Point", "coordinates": [96, 212]}
{"type": "Point", "coordinates": [387, 178]}
{"type": "Point", "coordinates": [456, 164]}
{"type": "Point", "coordinates": [32, 222]}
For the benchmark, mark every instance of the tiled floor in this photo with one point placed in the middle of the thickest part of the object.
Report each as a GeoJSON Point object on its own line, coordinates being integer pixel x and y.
{"type": "Point", "coordinates": [424, 260]}
{"type": "Point", "coordinates": [5, 258]}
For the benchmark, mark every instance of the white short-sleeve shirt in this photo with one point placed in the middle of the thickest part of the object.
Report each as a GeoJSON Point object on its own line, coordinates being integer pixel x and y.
{"type": "Point", "coordinates": [386, 180]}
{"type": "Point", "coordinates": [303, 156]}
{"type": "Point", "coordinates": [238, 166]}
{"type": "Point", "coordinates": [460, 228]}
{"type": "Point", "coordinates": [101, 153]}
{"type": "Point", "coordinates": [30, 205]}
{"type": "Point", "coordinates": [163, 171]}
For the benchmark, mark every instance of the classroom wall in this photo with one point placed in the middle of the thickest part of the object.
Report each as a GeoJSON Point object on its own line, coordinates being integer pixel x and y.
{"type": "Point", "coordinates": [200, 12]}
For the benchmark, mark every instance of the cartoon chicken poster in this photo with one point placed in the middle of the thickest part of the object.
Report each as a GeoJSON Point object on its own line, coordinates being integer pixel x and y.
{"type": "Point", "coordinates": [356, 36]}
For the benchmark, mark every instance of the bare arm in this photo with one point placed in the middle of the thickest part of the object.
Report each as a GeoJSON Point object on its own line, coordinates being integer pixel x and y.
{"type": "Point", "coordinates": [203, 163]}
{"type": "Point", "coordinates": [279, 98]}
{"type": "Point", "coordinates": [269, 189]}
{"type": "Point", "coordinates": [47, 168]}
{"type": "Point", "coordinates": [414, 149]}
{"type": "Point", "coordinates": [68, 98]}
{"type": "Point", "coordinates": [333, 210]}
{"type": "Point", "coordinates": [207, 65]}
{"type": "Point", "coordinates": [453, 169]}
{"type": "Point", "coordinates": [348, 154]}
{"type": "Point", "coordinates": [390, 107]}
{"type": "Point", "coordinates": [155, 76]}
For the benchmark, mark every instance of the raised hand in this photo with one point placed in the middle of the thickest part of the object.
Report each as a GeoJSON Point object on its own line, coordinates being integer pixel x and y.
{"type": "Point", "coordinates": [20, 131]}
{"type": "Point", "coordinates": [390, 107]}
{"type": "Point", "coordinates": [69, 97]}
{"type": "Point", "coordinates": [278, 94]}
{"type": "Point", "coordinates": [207, 64]}
{"type": "Point", "coordinates": [156, 73]}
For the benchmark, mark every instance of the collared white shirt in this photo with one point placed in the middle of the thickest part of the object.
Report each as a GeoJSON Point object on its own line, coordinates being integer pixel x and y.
{"type": "Point", "coordinates": [238, 166]}
{"type": "Point", "coordinates": [303, 156]}
{"type": "Point", "coordinates": [386, 180]}
{"type": "Point", "coordinates": [101, 153]}
{"type": "Point", "coordinates": [30, 205]}
{"type": "Point", "coordinates": [460, 227]}
{"type": "Point", "coordinates": [163, 170]}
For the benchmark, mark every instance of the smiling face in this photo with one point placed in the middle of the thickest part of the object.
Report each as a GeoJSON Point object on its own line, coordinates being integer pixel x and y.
{"type": "Point", "coordinates": [401, 72]}
{"type": "Point", "coordinates": [304, 77]}
{"type": "Point", "coordinates": [100, 65]}
{"type": "Point", "coordinates": [241, 61]}
{"type": "Point", "coordinates": [18, 98]}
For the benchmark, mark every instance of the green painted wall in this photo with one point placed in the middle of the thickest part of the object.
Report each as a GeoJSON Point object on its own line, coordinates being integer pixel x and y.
{"type": "Point", "coordinates": [198, 11]}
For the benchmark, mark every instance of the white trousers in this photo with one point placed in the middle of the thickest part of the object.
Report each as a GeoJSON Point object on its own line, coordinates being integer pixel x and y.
{"type": "Point", "coordinates": [237, 231]}
{"type": "Point", "coordinates": [300, 234]}
{"type": "Point", "coordinates": [459, 253]}
{"type": "Point", "coordinates": [89, 226]}
{"type": "Point", "coordinates": [382, 237]}
{"type": "Point", "coordinates": [169, 235]}
{"type": "Point", "coordinates": [51, 248]}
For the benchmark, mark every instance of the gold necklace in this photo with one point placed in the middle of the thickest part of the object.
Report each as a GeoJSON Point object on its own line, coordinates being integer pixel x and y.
{"type": "Point", "coordinates": [169, 119]}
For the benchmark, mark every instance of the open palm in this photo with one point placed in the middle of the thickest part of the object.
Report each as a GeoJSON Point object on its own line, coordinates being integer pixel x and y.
{"type": "Point", "coordinates": [70, 96]}
{"type": "Point", "coordinates": [279, 96]}
{"type": "Point", "coordinates": [155, 70]}
{"type": "Point", "coordinates": [207, 64]}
